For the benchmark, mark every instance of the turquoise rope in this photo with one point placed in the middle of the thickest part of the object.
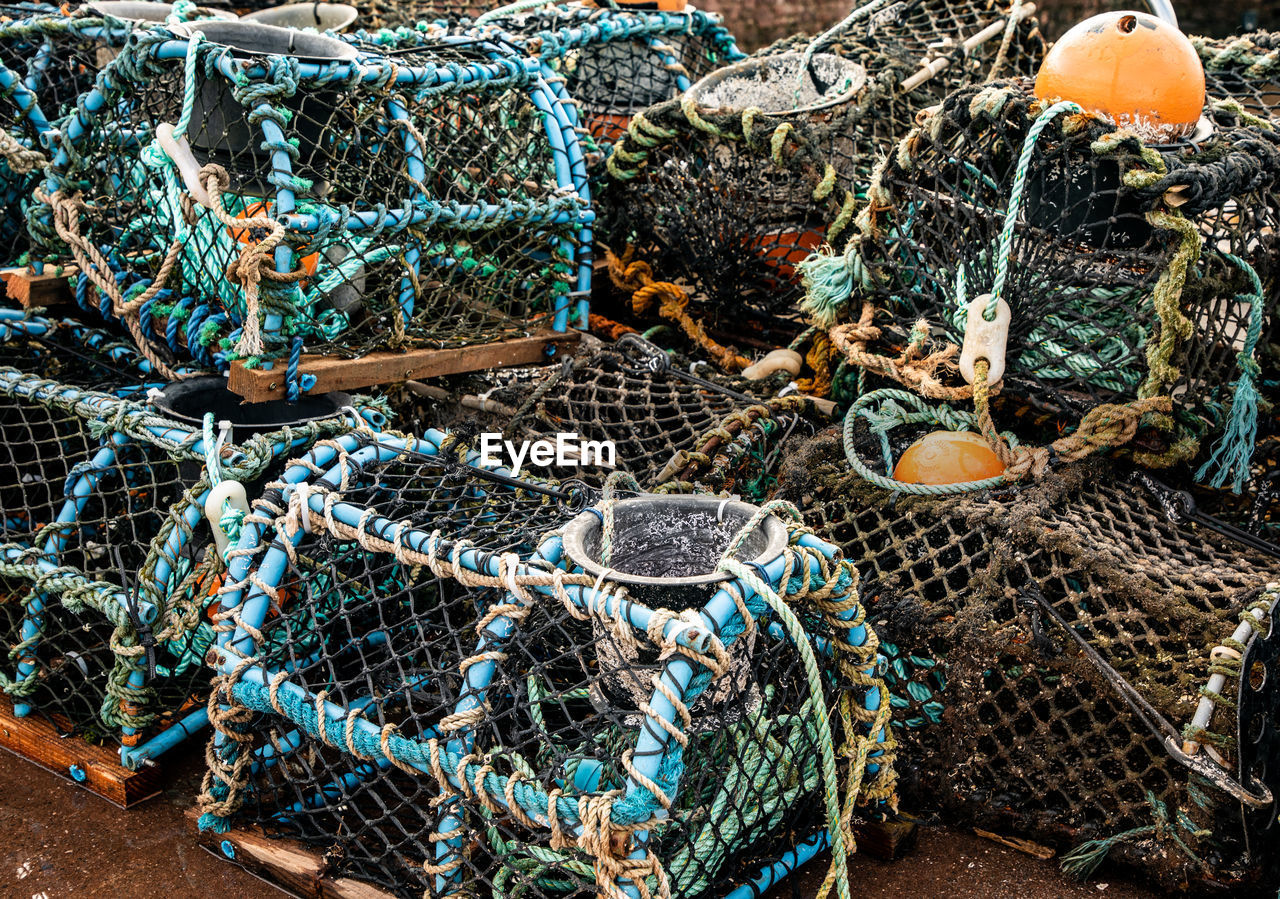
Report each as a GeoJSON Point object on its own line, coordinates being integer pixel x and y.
{"type": "Point", "coordinates": [1005, 249]}
{"type": "Point", "coordinates": [1234, 451]}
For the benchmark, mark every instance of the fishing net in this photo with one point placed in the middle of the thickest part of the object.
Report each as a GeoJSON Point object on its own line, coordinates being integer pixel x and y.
{"type": "Point", "coordinates": [234, 203]}
{"type": "Point", "coordinates": [1097, 269]}
{"type": "Point", "coordinates": [377, 14]}
{"type": "Point", "coordinates": [634, 396]}
{"type": "Point", "coordinates": [107, 560]}
{"type": "Point", "coordinates": [438, 707]}
{"type": "Point", "coordinates": [729, 187]}
{"type": "Point", "coordinates": [1065, 659]}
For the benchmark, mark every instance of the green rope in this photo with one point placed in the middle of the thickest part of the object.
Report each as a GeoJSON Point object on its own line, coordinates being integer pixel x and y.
{"type": "Point", "coordinates": [1234, 450]}
{"type": "Point", "coordinates": [1005, 248]}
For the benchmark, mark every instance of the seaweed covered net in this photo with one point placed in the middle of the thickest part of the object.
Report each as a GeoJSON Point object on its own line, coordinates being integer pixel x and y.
{"type": "Point", "coordinates": [1128, 270]}
{"type": "Point", "coordinates": [632, 395]}
{"type": "Point", "coordinates": [1242, 69]}
{"type": "Point", "coordinates": [465, 724]}
{"type": "Point", "coordinates": [429, 198]}
{"type": "Point", "coordinates": [755, 169]}
{"type": "Point", "coordinates": [1008, 722]}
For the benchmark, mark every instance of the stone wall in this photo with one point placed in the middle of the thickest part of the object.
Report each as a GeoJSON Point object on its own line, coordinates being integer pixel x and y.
{"type": "Point", "coordinates": [756, 23]}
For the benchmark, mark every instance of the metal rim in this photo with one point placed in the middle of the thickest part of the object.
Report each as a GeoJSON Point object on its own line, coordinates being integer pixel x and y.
{"type": "Point", "coordinates": [577, 532]}
{"type": "Point", "coordinates": [340, 15]}
{"type": "Point", "coordinates": [756, 64]}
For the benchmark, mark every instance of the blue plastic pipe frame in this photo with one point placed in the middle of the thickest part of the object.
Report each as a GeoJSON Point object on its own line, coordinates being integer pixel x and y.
{"type": "Point", "coordinates": [79, 491]}
{"type": "Point", "coordinates": [653, 739]}
{"type": "Point", "coordinates": [559, 123]}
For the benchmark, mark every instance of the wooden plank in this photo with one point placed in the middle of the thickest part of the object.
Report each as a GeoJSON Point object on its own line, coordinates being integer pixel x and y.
{"type": "Point", "coordinates": [288, 863]}
{"type": "Point", "coordinates": [38, 740]}
{"type": "Point", "coordinates": [47, 290]}
{"type": "Point", "coordinates": [258, 385]}
{"type": "Point", "coordinates": [886, 840]}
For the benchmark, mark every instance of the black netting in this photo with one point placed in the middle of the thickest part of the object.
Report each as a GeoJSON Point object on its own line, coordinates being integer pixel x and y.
{"type": "Point", "coordinates": [1009, 725]}
{"type": "Point", "coordinates": [731, 186]}
{"type": "Point", "coordinates": [631, 395]}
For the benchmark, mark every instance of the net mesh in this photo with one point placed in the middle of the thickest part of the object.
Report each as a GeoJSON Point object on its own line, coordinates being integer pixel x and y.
{"type": "Point", "coordinates": [632, 395]}
{"type": "Point", "coordinates": [48, 61]}
{"type": "Point", "coordinates": [615, 63]}
{"type": "Point", "coordinates": [394, 645]}
{"type": "Point", "coordinates": [728, 189]}
{"type": "Point", "coordinates": [429, 198]}
{"type": "Point", "coordinates": [1005, 723]}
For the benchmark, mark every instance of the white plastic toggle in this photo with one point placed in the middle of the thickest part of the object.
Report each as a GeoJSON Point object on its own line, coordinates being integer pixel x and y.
{"type": "Point", "coordinates": [985, 340]}
{"type": "Point", "coordinates": [226, 491]}
{"type": "Point", "coordinates": [177, 149]}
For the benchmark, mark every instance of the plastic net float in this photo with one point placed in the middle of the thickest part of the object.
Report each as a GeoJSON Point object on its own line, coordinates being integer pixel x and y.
{"type": "Point", "coordinates": [430, 199]}
{"type": "Point", "coordinates": [1072, 661]}
{"type": "Point", "coordinates": [443, 700]}
{"type": "Point", "coordinates": [116, 518]}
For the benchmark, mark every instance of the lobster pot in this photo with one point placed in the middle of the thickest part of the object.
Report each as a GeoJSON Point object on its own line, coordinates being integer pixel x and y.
{"type": "Point", "coordinates": [109, 562]}
{"type": "Point", "coordinates": [631, 396]}
{"type": "Point", "coordinates": [734, 184]}
{"type": "Point", "coordinates": [1133, 270]}
{"type": "Point", "coordinates": [48, 60]}
{"type": "Point", "coordinates": [617, 62]}
{"type": "Point", "coordinates": [1053, 647]}
{"type": "Point", "coordinates": [359, 202]}
{"type": "Point", "coordinates": [530, 698]}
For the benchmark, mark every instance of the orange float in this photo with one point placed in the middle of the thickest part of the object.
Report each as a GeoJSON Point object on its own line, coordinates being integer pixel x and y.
{"type": "Point", "coordinates": [948, 457]}
{"type": "Point", "coordinates": [1137, 70]}
{"type": "Point", "coordinates": [246, 235]}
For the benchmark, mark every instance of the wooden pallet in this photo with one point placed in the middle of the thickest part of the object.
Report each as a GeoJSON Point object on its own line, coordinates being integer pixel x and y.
{"type": "Point", "coordinates": [96, 768]}
{"type": "Point", "coordinates": [290, 864]}
{"type": "Point", "coordinates": [46, 291]}
{"type": "Point", "coordinates": [332, 373]}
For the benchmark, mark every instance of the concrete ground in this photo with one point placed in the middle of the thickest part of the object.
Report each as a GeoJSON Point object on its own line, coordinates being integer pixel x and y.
{"type": "Point", "coordinates": [62, 842]}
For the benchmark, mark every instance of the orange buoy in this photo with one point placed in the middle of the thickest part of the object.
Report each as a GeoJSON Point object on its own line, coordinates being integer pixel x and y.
{"type": "Point", "coordinates": [1138, 71]}
{"type": "Point", "coordinates": [246, 235]}
{"type": "Point", "coordinates": [948, 457]}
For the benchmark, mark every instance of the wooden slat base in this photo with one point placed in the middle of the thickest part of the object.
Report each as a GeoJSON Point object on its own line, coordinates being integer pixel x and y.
{"type": "Point", "coordinates": [48, 291]}
{"type": "Point", "coordinates": [258, 385]}
{"type": "Point", "coordinates": [288, 863]}
{"type": "Point", "coordinates": [37, 740]}
{"type": "Point", "coordinates": [886, 840]}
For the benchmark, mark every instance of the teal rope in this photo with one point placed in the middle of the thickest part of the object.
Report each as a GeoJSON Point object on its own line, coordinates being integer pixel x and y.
{"type": "Point", "coordinates": [1234, 451]}
{"type": "Point", "coordinates": [1015, 199]}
